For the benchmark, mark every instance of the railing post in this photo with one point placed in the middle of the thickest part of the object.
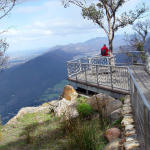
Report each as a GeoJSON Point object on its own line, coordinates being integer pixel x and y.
{"type": "Point", "coordinates": [111, 80]}
{"type": "Point", "coordinates": [68, 69]}
{"type": "Point", "coordinates": [97, 74]}
{"type": "Point", "coordinates": [76, 71]}
{"type": "Point", "coordinates": [85, 74]}
{"type": "Point", "coordinates": [146, 128]}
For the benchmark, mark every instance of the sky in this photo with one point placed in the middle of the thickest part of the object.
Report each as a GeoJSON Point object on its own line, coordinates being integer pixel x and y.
{"type": "Point", "coordinates": [42, 24]}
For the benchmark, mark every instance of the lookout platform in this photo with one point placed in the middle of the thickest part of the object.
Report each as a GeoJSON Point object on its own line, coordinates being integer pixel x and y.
{"type": "Point", "coordinates": [97, 75]}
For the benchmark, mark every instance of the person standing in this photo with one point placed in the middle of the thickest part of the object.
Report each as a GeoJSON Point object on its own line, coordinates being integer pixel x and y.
{"type": "Point", "coordinates": [104, 50]}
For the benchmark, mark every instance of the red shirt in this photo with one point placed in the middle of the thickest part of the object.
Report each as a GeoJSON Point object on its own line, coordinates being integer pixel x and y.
{"type": "Point", "coordinates": [106, 50]}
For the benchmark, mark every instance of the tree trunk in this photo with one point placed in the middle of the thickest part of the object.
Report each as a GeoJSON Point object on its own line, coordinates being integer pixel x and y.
{"type": "Point", "coordinates": [110, 45]}
{"type": "Point", "coordinates": [112, 59]}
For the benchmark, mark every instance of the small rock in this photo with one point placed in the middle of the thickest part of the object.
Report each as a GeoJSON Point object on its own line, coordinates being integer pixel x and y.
{"type": "Point", "coordinates": [112, 134]}
{"type": "Point", "coordinates": [127, 99]}
{"type": "Point", "coordinates": [114, 145]}
{"type": "Point", "coordinates": [69, 93]}
{"type": "Point", "coordinates": [129, 127]}
{"type": "Point", "coordinates": [125, 112]}
{"type": "Point", "coordinates": [125, 108]}
{"type": "Point", "coordinates": [130, 133]}
{"type": "Point", "coordinates": [130, 145]}
{"type": "Point", "coordinates": [115, 115]}
{"type": "Point", "coordinates": [127, 120]}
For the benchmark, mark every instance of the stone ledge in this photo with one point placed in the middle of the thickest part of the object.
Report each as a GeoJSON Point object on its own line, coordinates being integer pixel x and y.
{"type": "Point", "coordinates": [131, 142]}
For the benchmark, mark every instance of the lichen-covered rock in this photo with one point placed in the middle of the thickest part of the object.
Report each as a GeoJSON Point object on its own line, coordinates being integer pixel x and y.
{"type": "Point", "coordinates": [69, 93]}
{"type": "Point", "coordinates": [127, 120]}
{"type": "Point", "coordinates": [26, 110]}
{"type": "Point", "coordinates": [114, 145]}
{"type": "Point", "coordinates": [130, 132]}
{"type": "Point", "coordinates": [105, 103]}
{"type": "Point", "coordinates": [127, 99]}
{"type": "Point", "coordinates": [115, 115]}
{"type": "Point", "coordinates": [129, 127]}
{"type": "Point", "coordinates": [112, 134]}
{"type": "Point", "coordinates": [132, 144]}
{"type": "Point", "coordinates": [52, 105]}
{"type": "Point", "coordinates": [66, 109]}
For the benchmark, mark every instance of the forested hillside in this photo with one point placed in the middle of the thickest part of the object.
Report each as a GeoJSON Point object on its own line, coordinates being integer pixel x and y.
{"type": "Point", "coordinates": [25, 84]}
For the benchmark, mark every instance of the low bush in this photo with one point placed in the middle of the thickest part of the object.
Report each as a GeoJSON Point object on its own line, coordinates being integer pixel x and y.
{"type": "Point", "coordinates": [85, 136]}
{"type": "Point", "coordinates": [81, 99]}
{"type": "Point", "coordinates": [84, 109]}
{"type": "Point", "coordinates": [0, 129]}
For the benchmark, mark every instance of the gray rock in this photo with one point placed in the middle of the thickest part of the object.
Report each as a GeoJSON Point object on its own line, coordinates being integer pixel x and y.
{"type": "Point", "coordinates": [105, 103]}
{"type": "Point", "coordinates": [131, 144]}
{"type": "Point", "coordinates": [115, 115]}
{"type": "Point", "coordinates": [66, 109]}
{"type": "Point", "coordinates": [127, 120]}
{"type": "Point", "coordinates": [127, 99]}
{"type": "Point", "coordinates": [114, 145]}
{"type": "Point", "coordinates": [26, 110]}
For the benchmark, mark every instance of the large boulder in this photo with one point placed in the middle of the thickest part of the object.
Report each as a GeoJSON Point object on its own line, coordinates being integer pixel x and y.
{"type": "Point", "coordinates": [69, 93]}
{"type": "Point", "coordinates": [104, 103]}
{"type": "Point", "coordinates": [112, 134]}
{"type": "Point", "coordinates": [66, 110]}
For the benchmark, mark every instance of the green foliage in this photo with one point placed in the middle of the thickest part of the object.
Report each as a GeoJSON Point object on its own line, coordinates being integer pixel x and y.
{"type": "Point", "coordinates": [85, 135]}
{"type": "Point", "coordinates": [117, 123]}
{"type": "Point", "coordinates": [81, 99]}
{"type": "Point", "coordinates": [122, 99]}
{"type": "Point", "coordinates": [84, 109]}
{"type": "Point", "coordinates": [54, 92]}
{"type": "Point", "coordinates": [0, 129]}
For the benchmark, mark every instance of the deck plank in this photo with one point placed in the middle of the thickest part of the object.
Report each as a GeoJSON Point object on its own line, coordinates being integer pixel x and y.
{"type": "Point", "coordinates": [143, 80]}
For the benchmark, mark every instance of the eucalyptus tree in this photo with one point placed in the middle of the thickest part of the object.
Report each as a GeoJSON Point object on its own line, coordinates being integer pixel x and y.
{"type": "Point", "coordinates": [107, 14]}
{"type": "Point", "coordinates": [141, 30]}
{"type": "Point", "coordinates": [5, 7]}
{"type": "Point", "coordinates": [138, 39]}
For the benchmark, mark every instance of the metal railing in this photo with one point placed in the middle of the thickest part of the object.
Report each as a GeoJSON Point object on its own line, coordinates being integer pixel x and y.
{"type": "Point", "coordinates": [97, 71]}
{"type": "Point", "coordinates": [141, 110]}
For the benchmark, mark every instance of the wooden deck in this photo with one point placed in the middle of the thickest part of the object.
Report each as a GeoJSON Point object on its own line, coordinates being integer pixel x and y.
{"type": "Point", "coordinates": [114, 78]}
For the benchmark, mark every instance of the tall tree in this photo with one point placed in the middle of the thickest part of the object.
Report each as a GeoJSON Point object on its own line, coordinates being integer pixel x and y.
{"type": "Point", "coordinates": [5, 7]}
{"type": "Point", "coordinates": [138, 39]}
{"type": "Point", "coordinates": [105, 13]}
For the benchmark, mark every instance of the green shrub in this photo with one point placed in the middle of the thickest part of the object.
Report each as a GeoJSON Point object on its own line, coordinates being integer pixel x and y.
{"type": "Point", "coordinates": [84, 109]}
{"type": "Point", "coordinates": [81, 99]}
{"type": "Point", "coordinates": [122, 99]}
{"type": "Point", "coordinates": [0, 129]}
{"type": "Point", "coordinates": [85, 136]}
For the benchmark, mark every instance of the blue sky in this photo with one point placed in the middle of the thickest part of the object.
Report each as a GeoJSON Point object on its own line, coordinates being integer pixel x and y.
{"type": "Point", "coordinates": [36, 24]}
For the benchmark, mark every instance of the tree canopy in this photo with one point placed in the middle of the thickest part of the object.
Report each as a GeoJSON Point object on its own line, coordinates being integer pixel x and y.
{"type": "Point", "coordinates": [106, 14]}
{"type": "Point", "coordinates": [5, 7]}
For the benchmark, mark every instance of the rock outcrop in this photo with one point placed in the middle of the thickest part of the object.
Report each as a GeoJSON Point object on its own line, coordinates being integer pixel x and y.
{"type": "Point", "coordinates": [105, 103]}
{"type": "Point", "coordinates": [27, 110]}
{"type": "Point", "coordinates": [69, 93]}
{"type": "Point", "coordinates": [66, 109]}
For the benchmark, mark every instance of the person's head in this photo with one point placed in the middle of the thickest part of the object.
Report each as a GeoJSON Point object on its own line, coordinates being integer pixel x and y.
{"type": "Point", "coordinates": [104, 44]}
